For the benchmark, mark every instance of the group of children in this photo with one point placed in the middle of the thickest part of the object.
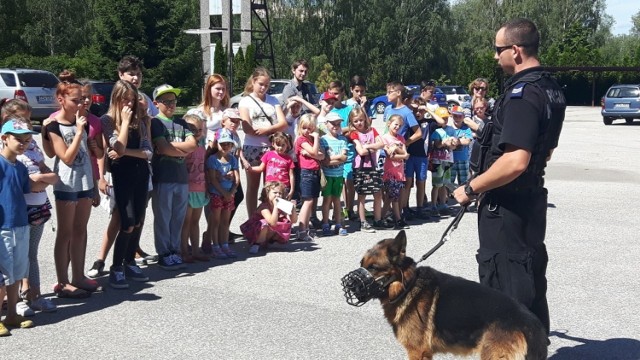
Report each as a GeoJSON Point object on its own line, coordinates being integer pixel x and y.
{"type": "Point", "coordinates": [186, 169]}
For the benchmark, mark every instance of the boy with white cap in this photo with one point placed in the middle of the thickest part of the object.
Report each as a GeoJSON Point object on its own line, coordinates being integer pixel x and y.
{"type": "Point", "coordinates": [172, 141]}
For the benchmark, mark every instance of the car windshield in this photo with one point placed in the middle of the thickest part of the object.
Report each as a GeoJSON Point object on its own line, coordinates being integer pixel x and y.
{"type": "Point", "coordinates": [37, 79]}
{"type": "Point", "coordinates": [103, 88]}
{"type": "Point", "coordinates": [460, 90]}
{"type": "Point", "coordinates": [276, 88]}
{"type": "Point", "coordinates": [452, 90]}
{"type": "Point", "coordinates": [624, 92]}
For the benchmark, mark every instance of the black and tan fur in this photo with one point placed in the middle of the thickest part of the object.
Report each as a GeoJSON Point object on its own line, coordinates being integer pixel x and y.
{"type": "Point", "coordinates": [441, 313]}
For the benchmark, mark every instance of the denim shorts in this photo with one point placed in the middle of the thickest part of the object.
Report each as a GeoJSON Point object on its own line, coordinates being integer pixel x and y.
{"type": "Point", "coordinates": [73, 196]}
{"type": "Point", "coordinates": [309, 184]}
{"type": "Point", "coordinates": [14, 254]}
{"type": "Point", "coordinates": [416, 165]}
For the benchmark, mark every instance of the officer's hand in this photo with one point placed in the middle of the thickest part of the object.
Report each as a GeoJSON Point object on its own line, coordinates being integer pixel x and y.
{"type": "Point", "coordinates": [460, 196]}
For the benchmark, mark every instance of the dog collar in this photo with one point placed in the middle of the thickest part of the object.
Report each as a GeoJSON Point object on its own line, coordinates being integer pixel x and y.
{"type": "Point", "coordinates": [405, 291]}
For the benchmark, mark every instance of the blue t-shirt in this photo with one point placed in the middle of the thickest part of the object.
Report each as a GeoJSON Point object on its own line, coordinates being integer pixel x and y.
{"type": "Point", "coordinates": [344, 114]}
{"type": "Point", "coordinates": [226, 181]}
{"type": "Point", "coordinates": [14, 183]}
{"type": "Point", "coordinates": [332, 146]}
{"type": "Point", "coordinates": [463, 152]}
{"type": "Point", "coordinates": [407, 115]}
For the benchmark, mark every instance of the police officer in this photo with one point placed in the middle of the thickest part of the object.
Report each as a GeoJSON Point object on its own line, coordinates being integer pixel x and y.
{"type": "Point", "coordinates": [511, 155]}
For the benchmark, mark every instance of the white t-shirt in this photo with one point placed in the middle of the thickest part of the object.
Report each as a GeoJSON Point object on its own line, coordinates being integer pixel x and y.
{"type": "Point", "coordinates": [214, 121]}
{"type": "Point", "coordinates": [258, 118]}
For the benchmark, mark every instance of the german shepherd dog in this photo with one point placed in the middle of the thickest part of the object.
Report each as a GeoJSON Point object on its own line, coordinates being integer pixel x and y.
{"type": "Point", "coordinates": [432, 312]}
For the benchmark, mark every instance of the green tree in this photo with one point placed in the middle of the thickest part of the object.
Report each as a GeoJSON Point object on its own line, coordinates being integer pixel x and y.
{"type": "Point", "coordinates": [220, 59]}
{"type": "Point", "coordinates": [239, 74]}
{"type": "Point", "coordinates": [635, 30]}
{"type": "Point", "coordinates": [327, 75]}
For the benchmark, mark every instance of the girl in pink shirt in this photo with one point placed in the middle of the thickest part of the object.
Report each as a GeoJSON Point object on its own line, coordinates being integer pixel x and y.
{"type": "Point", "coordinates": [277, 165]}
{"type": "Point", "coordinates": [394, 177]}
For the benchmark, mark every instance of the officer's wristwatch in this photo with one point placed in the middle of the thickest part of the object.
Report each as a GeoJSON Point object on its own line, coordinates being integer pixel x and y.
{"type": "Point", "coordinates": [468, 190]}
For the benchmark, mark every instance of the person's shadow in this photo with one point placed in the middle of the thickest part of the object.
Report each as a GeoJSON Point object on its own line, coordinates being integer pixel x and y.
{"type": "Point", "coordinates": [610, 349]}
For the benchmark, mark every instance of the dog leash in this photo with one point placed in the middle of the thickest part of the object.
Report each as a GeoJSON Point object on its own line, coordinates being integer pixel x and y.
{"type": "Point", "coordinates": [447, 233]}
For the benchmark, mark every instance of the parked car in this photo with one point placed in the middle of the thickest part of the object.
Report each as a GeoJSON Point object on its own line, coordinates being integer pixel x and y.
{"type": "Point", "coordinates": [456, 95]}
{"type": "Point", "coordinates": [101, 97]}
{"type": "Point", "coordinates": [37, 87]}
{"type": "Point", "coordinates": [622, 101]}
{"type": "Point", "coordinates": [379, 103]}
{"type": "Point", "coordinates": [276, 86]}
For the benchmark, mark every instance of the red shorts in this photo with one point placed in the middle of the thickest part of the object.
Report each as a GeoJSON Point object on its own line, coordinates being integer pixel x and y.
{"type": "Point", "coordinates": [218, 202]}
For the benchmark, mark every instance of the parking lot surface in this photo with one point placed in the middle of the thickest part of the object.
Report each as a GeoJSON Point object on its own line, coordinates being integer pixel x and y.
{"type": "Point", "coordinates": [287, 303]}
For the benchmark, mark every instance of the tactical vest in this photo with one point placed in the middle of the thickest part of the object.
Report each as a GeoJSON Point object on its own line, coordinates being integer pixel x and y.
{"type": "Point", "coordinates": [486, 151]}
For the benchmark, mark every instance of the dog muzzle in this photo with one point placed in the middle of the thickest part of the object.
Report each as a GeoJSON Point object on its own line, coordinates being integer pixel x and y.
{"type": "Point", "coordinates": [360, 286]}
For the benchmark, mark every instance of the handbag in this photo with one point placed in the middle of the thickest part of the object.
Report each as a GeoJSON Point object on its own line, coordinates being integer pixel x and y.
{"type": "Point", "coordinates": [39, 214]}
{"type": "Point", "coordinates": [367, 179]}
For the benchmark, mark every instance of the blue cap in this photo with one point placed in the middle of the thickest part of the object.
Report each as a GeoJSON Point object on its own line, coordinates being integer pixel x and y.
{"type": "Point", "coordinates": [16, 126]}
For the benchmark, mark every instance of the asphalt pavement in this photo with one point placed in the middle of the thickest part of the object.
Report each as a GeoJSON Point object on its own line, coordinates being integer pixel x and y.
{"type": "Point", "coordinates": [287, 303]}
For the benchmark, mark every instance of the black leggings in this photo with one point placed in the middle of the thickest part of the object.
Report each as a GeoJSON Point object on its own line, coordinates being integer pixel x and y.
{"type": "Point", "coordinates": [130, 187]}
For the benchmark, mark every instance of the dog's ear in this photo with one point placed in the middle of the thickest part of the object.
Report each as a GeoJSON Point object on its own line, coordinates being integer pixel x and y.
{"type": "Point", "coordinates": [398, 248]}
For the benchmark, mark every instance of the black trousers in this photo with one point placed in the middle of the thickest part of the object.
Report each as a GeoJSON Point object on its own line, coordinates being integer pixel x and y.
{"type": "Point", "coordinates": [512, 257]}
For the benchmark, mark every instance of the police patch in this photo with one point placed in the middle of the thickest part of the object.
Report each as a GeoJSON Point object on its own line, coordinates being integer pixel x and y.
{"type": "Point", "coordinates": [518, 91]}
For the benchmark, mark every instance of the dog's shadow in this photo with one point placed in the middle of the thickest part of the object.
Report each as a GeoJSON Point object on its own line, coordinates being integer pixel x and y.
{"type": "Point", "coordinates": [618, 348]}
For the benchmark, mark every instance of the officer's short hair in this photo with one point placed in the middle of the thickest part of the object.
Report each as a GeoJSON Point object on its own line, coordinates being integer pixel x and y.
{"type": "Point", "coordinates": [523, 33]}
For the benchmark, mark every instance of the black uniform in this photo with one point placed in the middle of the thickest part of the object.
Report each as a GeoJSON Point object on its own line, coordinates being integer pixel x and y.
{"type": "Point", "coordinates": [512, 219]}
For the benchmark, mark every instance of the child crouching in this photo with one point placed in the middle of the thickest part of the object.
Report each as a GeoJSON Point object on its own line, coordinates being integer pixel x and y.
{"type": "Point", "coordinates": [269, 223]}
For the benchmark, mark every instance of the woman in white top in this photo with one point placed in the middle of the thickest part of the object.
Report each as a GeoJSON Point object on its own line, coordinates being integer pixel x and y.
{"type": "Point", "coordinates": [215, 100]}
{"type": "Point", "coordinates": [261, 116]}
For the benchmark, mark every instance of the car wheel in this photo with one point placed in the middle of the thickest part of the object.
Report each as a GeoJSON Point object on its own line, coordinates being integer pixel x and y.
{"type": "Point", "coordinates": [451, 104]}
{"type": "Point", "coordinates": [607, 120]}
{"type": "Point", "coordinates": [380, 107]}
{"type": "Point", "coordinates": [629, 121]}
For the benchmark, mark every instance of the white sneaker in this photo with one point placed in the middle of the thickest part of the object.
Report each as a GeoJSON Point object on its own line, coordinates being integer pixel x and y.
{"type": "Point", "coordinates": [24, 310]}
{"type": "Point", "coordinates": [43, 304]}
{"type": "Point", "coordinates": [254, 249]}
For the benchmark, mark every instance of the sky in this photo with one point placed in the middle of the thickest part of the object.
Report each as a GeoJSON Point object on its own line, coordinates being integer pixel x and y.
{"type": "Point", "coordinates": [621, 11]}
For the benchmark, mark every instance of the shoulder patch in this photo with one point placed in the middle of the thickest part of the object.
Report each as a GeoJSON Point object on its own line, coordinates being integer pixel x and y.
{"type": "Point", "coordinates": [518, 91]}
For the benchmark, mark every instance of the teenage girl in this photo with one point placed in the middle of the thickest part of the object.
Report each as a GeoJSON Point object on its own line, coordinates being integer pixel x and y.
{"type": "Point", "coordinates": [129, 153]}
{"type": "Point", "coordinates": [307, 148]}
{"type": "Point", "coordinates": [74, 192]}
{"type": "Point", "coordinates": [261, 116]}
{"type": "Point", "coordinates": [277, 165]}
{"type": "Point", "coordinates": [367, 142]}
{"type": "Point", "coordinates": [269, 224]}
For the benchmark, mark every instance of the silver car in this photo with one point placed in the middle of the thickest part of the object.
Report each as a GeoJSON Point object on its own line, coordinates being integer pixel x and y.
{"type": "Point", "coordinates": [37, 87]}
{"type": "Point", "coordinates": [275, 89]}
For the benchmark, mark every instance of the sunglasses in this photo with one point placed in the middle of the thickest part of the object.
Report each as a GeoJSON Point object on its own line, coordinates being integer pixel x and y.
{"type": "Point", "coordinates": [480, 88]}
{"type": "Point", "coordinates": [168, 102]}
{"type": "Point", "coordinates": [500, 49]}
